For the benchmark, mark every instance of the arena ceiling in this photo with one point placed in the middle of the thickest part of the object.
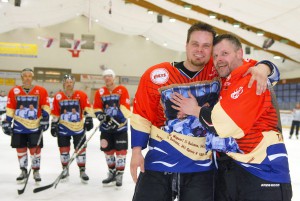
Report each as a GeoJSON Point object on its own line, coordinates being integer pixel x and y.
{"type": "Point", "coordinates": [255, 22]}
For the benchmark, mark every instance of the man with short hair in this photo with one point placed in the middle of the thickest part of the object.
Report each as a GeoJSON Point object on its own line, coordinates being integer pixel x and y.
{"type": "Point", "coordinates": [244, 129]}
{"type": "Point", "coordinates": [114, 137]}
{"type": "Point", "coordinates": [25, 132]}
{"type": "Point", "coordinates": [65, 102]}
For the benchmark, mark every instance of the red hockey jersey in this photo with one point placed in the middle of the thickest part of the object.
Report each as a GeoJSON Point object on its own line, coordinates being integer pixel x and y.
{"type": "Point", "coordinates": [175, 144]}
{"type": "Point", "coordinates": [252, 120]}
{"type": "Point", "coordinates": [115, 104]}
{"type": "Point", "coordinates": [70, 112]}
{"type": "Point", "coordinates": [27, 108]}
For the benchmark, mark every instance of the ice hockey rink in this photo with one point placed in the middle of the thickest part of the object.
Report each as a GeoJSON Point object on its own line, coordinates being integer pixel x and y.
{"type": "Point", "coordinates": [73, 189]}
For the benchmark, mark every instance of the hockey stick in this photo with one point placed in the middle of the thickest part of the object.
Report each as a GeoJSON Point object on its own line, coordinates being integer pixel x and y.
{"type": "Point", "coordinates": [55, 183]}
{"type": "Point", "coordinates": [21, 191]}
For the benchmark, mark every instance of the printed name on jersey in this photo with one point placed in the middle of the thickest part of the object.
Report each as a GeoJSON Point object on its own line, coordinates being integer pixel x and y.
{"type": "Point", "coordinates": [16, 91]}
{"type": "Point", "coordinates": [58, 96]}
{"type": "Point", "coordinates": [237, 93]}
{"type": "Point", "coordinates": [159, 76]}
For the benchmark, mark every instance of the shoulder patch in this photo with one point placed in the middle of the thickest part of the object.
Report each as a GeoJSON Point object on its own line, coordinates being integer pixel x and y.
{"type": "Point", "coordinates": [16, 90]}
{"type": "Point", "coordinates": [58, 96]}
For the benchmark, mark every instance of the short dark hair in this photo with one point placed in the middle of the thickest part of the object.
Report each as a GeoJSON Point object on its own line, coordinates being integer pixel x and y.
{"type": "Point", "coordinates": [231, 38]}
{"type": "Point", "coordinates": [199, 26]}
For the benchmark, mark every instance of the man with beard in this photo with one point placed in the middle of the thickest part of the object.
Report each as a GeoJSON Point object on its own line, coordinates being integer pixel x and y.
{"type": "Point", "coordinates": [257, 168]}
{"type": "Point", "coordinates": [25, 132]}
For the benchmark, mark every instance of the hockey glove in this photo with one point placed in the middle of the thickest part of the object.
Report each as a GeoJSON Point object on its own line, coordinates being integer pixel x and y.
{"type": "Point", "coordinates": [54, 129]}
{"type": "Point", "coordinates": [103, 117]}
{"type": "Point", "coordinates": [44, 123]}
{"type": "Point", "coordinates": [113, 124]}
{"type": "Point", "coordinates": [6, 127]}
{"type": "Point", "coordinates": [88, 124]}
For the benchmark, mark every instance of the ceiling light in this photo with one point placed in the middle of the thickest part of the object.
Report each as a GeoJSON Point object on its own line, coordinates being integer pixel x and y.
{"type": "Point", "coordinates": [187, 6]}
{"type": "Point", "coordinates": [260, 33]}
{"type": "Point", "coordinates": [165, 44]}
{"type": "Point", "coordinates": [236, 25]}
{"type": "Point", "coordinates": [277, 57]}
{"type": "Point", "coordinates": [172, 20]}
{"type": "Point", "coordinates": [4, 1]}
{"type": "Point", "coordinates": [285, 41]}
{"type": "Point", "coordinates": [150, 12]}
{"type": "Point", "coordinates": [212, 15]}
{"type": "Point", "coordinates": [147, 38]}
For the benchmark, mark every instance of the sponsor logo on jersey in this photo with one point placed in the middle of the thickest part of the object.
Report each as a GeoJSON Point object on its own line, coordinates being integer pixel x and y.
{"type": "Point", "coordinates": [101, 91]}
{"type": "Point", "coordinates": [58, 96]}
{"type": "Point", "coordinates": [16, 91]}
{"type": "Point", "coordinates": [237, 93]}
{"type": "Point", "coordinates": [103, 143]}
{"type": "Point", "coordinates": [127, 100]}
{"type": "Point", "coordinates": [159, 76]}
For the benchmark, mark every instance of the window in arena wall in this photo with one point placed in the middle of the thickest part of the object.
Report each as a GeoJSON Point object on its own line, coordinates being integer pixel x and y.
{"type": "Point", "coordinates": [44, 74]}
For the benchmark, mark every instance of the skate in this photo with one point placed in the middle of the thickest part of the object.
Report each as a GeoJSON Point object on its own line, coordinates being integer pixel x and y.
{"type": "Point", "coordinates": [21, 178]}
{"type": "Point", "coordinates": [65, 174]}
{"type": "Point", "coordinates": [83, 175]}
{"type": "Point", "coordinates": [36, 176]}
{"type": "Point", "coordinates": [111, 179]}
{"type": "Point", "coordinates": [119, 178]}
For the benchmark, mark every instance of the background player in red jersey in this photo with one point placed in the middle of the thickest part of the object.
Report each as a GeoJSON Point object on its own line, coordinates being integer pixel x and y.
{"type": "Point", "coordinates": [258, 169]}
{"type": "Point", "coordinates": [26, 131]}
{"type": "Point", "coordinates": [113, 100]}
{"type": "Point", "coordinates": [68, 103]}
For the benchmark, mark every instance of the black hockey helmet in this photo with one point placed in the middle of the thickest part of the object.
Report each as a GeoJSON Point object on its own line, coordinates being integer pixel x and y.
{"type": "Point", "coordinates": [68, 77]}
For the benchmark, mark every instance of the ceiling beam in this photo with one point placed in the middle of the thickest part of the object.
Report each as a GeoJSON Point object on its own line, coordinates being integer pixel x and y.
{"type": "Point", "coordinates": [149, 6]}
{"type": "Point", "coordinates": [231, 21]}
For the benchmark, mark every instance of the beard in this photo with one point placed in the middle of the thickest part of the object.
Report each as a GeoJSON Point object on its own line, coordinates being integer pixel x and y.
{"type": "Point", "coordinates": [199, 63]}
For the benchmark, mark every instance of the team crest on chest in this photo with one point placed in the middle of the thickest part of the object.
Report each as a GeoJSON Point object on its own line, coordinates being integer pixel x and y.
{"type": "Point", "coordinates": [159, 76]}
{"type": "Point", "coordinates": [237, 93]}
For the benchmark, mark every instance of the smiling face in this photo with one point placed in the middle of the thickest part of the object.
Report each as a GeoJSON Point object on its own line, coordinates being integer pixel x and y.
{"type": "Point", "coordinates": [198, 49]}
{"type": "Point", "coordinates": [227, 57]}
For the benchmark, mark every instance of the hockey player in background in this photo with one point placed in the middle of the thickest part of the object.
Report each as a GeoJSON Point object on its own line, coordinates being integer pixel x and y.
{"type": "Point", "coordinates": [65, 102]}
{"type": "Point", "coordinates": [51, 99]}
{"type": "Point", "coordinates": [258, 168]}
{"type": "Point", "coordinates": [24, 131]}
{"type": "Point", "coordinates": [3, 100]}
{"type": "Point", "coordinates": [113, 100]}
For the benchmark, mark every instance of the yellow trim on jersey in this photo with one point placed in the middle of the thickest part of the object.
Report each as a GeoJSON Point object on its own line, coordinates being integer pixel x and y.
{"type": "Point", "coordinates": [46, 108]}
{"type": "Point", "coordinates": [191, 147]}
{"type": "Point", "coordinates": [10, 112]}
{"type": "Point", "coordinates": [259, 154]}
{"type": "Point", "coordinates": [90, 111]}
{"type": "Point", "coordinates": [224, 125]}
{"type": "Point", "coordinates": [127, 113]}
{"type": "Point", "coordinates": [73, 126]}
{"type": "Point", "coordinates": [30, 124]}
{"type": "Point", "coordinates": [139, 123]}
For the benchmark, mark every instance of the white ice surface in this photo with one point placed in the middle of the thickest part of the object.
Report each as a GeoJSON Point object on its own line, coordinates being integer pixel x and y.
{"type": "Point", "coordinates": [74, 190]}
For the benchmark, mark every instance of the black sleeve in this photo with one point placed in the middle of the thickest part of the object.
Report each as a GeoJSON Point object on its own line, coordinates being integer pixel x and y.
{"type": "Point", "coordinates": [205, 119]}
